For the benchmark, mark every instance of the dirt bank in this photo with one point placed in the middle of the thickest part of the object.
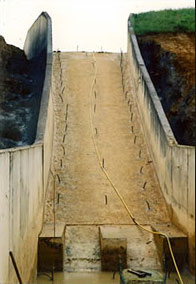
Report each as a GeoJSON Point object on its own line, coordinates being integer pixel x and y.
{"type": "Point", "coordinates": [170, 61]}
{"type": "Point", "coordinates": [21, 83]}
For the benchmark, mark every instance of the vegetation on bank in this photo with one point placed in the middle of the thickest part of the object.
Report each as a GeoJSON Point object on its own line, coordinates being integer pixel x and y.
{"type": "Point", "coordinates": [181, 20]}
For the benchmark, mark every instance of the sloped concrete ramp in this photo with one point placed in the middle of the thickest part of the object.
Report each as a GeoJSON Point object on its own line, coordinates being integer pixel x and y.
{"type": "Point", "coordinates": [79, 195]}
{"type": "Point", "coordinates": [85, 196]}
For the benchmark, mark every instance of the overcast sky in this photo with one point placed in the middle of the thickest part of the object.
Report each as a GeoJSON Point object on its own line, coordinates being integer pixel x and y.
{"type": "Point", "coordinates": [90, 24]}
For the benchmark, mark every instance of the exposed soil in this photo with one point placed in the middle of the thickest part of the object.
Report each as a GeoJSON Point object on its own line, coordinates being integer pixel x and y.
{"type": "Point", "coordinates": [170, 60]}
{"type": "Point", "coordinates": [21, 83]}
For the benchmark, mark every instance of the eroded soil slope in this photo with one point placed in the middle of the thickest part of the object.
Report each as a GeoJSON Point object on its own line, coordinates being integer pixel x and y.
{"type": "Point", "coordinates": [20, 93]}
{"type": "Point", "coordinates": [170, 60]}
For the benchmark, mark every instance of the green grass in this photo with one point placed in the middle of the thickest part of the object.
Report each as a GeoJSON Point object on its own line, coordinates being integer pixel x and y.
{"type": "Point", "coordinates": [182, 20]}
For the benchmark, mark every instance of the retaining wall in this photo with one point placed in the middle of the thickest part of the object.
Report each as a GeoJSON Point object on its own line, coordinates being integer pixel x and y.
{"type": "Point", "coordinates": [174, 163]}
{"type": "Point", "coordinates": [24, 173]}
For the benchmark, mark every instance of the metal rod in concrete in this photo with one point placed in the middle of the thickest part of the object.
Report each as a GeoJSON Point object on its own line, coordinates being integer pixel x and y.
{"type": "Point", "coordinates": [148, 205]}
{"type": "Point", "coordinates": [63, 149]}
{"type": "Point", "coordinates": [59, 180]}
{"type": "Point", "coordinates": [15, 267]}
{"type": "Point", "coordinates": [58, 198]}
{"type": "Point", "coordinates": [61, 97]}
{"type": "Point", "coordinates": [144, 185]}
{"type": "Point", "coordinates": [64, 138]}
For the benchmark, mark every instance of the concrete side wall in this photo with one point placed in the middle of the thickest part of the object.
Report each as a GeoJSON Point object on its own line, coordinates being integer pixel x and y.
{"type": "Point", "coordinates": [39, 39]}
{"type": "Point", "coordinates": [36, 39]}
{"type": "Point", "coordinates": [22, 194]}
{"type": "Point", "coordinates": [174, 163]}
{"type": "Point", "coordinates": [4, 215]}
{"type": "Point", "coordinates": [24, 175]}
{"type": "Point", "coordinates": [48, 141]}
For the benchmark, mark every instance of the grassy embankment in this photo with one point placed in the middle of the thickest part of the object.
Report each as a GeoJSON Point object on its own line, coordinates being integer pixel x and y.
{"type": "Point", "coordinates": [182, 20]}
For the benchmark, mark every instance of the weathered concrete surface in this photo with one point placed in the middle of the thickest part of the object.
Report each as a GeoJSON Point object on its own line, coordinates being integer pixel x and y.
{"type": "Point", "coordinates": [51, 248]}
{"type": "Point", "coordinates": [4, 214]}
{"type": "Point", "coordinates": [179, 243]}
{"type": "Point", "coordinates": [174, 163]}
{"type": "Point", "coordinates": [23, 176]}
{"type": "Point", "coordinates": [113, 250]}
{"type": "Point", "coordinates": [83, 247]}
{"type": "Point", "coordinates": [20, 211]}
{"type": "Point", "coordinates": [80, 183]}
{"type": "Point", "coordinates": [82, 196]}
{"type": "Point", "coordinates": [141, 248]}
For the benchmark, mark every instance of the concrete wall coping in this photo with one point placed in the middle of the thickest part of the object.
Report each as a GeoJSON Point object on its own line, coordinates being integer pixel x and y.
{"type": "Point", "coordinates": [47, 81]}
{"type": "Point", "coordinates": [22, 148]}
{"type": "Point", "coordinates": [152, 91]}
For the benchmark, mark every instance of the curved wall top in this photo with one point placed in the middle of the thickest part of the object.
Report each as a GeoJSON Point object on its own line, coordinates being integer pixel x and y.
{"type": "Point", "coordinates": [174, 163]}
{"type": "Point", "coordinates": [39, 41]}
{"type": "Point", "coordinates": [152, 91]}
{"type": "Point", "coordinates": [24, 170]}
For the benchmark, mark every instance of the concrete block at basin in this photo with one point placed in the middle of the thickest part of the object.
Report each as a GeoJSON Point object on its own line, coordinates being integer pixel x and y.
{"type": "Point", "coordinates": [51, 248]}
{"type": "Point", "coordinates": [113, 249]}
{"type": "Point", "coordinates": [155, 278]}
{"type": "Point", "coordinates": [179, 244]}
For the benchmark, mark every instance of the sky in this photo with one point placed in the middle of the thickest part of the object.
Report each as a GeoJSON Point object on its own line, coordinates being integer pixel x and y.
{"type": "Point", "coordinates": [89, 25]}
